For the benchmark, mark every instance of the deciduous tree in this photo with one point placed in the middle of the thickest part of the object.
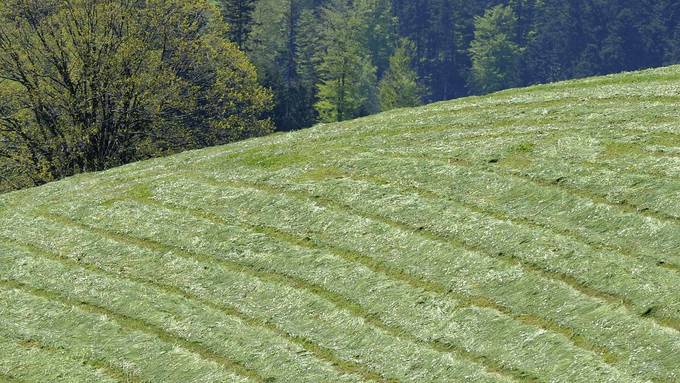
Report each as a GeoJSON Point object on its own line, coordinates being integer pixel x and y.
{"type": "Point", "coordinates": [90, 84]}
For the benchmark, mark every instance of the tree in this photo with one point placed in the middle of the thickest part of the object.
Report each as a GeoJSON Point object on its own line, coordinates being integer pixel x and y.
{"type": "Point", "coordinates": [238, 14]}
{"type": "Point", "coordinates": [348, 76]}
{"type": "Point", "coordinates": [280, 28]}
{"type": "Point", "coordinates": [494, 53]}
{"type": "Point", "coordinates": [441, 31]}
{"type": "Point", "coordinates": [307, 43]}
{"type": "Point", "coordinates": [379, 33]}
{"type": "Point", "coordinates": [399, 87]}
{"type": "Point", "coordinates": [671, 19]}
{"type": "Point", "coordinates": [90, 84]}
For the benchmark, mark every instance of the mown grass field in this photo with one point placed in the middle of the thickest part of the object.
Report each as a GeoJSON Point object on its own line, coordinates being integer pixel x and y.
{"type": "Point", "coordinates": [531, 235]}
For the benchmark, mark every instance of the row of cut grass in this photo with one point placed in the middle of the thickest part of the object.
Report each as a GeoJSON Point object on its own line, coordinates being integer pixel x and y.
{"type": "Point", "coordinates": [89, 333]}
{"type": "Point", "coordinates": [27, 360]}
{"type": "Point", "coordinates": [172, 315]}
{"type": "Point", "coordinates": [287, 213]}
{"type": "Point", "coordinates": [299, 312]}
{"type": "Point", "coordinates": [629, 348]}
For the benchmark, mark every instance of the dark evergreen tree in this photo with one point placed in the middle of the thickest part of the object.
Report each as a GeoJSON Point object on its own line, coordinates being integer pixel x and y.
{"type": "Point", "coordinates": [380, 31]}
{"type": "Point", "coordinates": [555, 42]}
{"type": "Point", "coordinates": [307, 43]}
{"type": "Point", "coordinates": [494, 53]}
{"type": "Point", "coordinates": [238, 14]}
{"type": "Point", "coordinates": [399, 87]}
{"type": "Point", "coordinates": [347, 87]}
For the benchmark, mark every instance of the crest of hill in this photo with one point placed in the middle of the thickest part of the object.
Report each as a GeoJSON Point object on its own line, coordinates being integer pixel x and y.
{"type": "Point", "coordinates": [528, 235]}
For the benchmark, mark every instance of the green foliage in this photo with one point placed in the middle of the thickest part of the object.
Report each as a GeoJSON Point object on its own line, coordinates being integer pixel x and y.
{"type": "Point", "coordinates": [238, 14]}
{"type": "Point", "coordinates": [379, 33]}
{"type": "Point", "coordinates": [399, 87]}
{"type": "Point", "coordinates": [347, 73]}
{"type": "Point", "coordinates": [90, 84]}
{"type": "Point", "coordinates": [494, 53]}
{"type": "Point", "coordinates": [307, 43]}
{"type": "Point", "coordinates": [282, 40]}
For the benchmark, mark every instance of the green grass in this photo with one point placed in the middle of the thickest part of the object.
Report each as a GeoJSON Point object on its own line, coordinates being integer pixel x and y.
{"type": "Point", "coordinates": [529, 235]}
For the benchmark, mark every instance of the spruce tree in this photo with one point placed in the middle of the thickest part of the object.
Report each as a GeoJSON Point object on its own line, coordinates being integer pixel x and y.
{"type": "Point", "coordinates": [348, 76]}
{"type": "Point", "coordinates": [399, 87]}
{"type": "Point", "coordinates": [379, 32]}
{"type": "Point", "coordinates": [494, 53]}
{"type": "Point", "coordinates": [307, 61]}
{"type": "Point", "coordinates": [238, 14]}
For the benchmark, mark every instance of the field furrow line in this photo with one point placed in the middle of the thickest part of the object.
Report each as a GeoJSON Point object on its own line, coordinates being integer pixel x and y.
{"type": "Point", "coordinates": [465, 124]}
{"type": "Point", "coordinates": [479, 301]}
{"type": "Point", "coordinates": [624, 207]}
{"type": "Point", "coordinates": [499, 104]}
{"type": "Point", "coordinates": [7, 340]}
{"type": "Point", "coordinates": [516, 221]}
{"type": "Point", "coordinates": [509, 121]}
{"type": "Point", "coordinates": [601, 296]}
{"type": "Point", "coordinates": [136, 324]}
{"type": "Point", "coordinates": [611, 167]}
{"type": "Point", "coordinates": [110, 370]}
{"type": "Point", "coordinates": [553, 93]}
{"type": "Point", "coordinates": [395, 147]}
{"type": "Point", "coordinates": [465, 131]}
{"type": "Point", "coordinates": [6, 378]}
{"type": "Point", "coordinates": [401, 226]}
{"type": "Point", "coordinates": [34, 313]}
{"type": "Point", "coordinates": [340, 301]}
{"type": "Point", "coordinates": [320, 352]}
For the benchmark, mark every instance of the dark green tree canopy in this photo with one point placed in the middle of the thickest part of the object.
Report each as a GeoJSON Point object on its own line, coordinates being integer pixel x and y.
{"type": "Point", "coordinates": [494, 52]}
{"type": "Point", "coordinates": [399, 87]}
{"type": "Point", "coordinates": [239, 17]}
{"type": "Point", "coordinates": [461, 47]}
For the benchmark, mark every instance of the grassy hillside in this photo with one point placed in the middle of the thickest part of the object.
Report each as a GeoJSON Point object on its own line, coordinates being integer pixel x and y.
{"type": "Point", "coordinates": [531, 235]}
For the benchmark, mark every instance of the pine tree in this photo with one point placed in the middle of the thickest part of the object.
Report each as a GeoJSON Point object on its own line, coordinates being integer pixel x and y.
{"type": "Point", "coordinates": [348, 77]}
{"type": "Point", "coordinates": [399, 87]}
{"type": "Point", "coordinates": [307, 44]}
{"type": "Point", "coordinates": [380, 31]}
{"type": "Point", "coordinates": [495, 55]}
{"type": "Point", "coordinates": [556, 41]}
{"type": "Point", "coordinates": [307, 61]}
{"type": "Point", "coordinates": [238, 14]}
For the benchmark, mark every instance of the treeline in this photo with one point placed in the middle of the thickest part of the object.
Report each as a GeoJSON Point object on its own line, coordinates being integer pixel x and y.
{"type": "Point", "coordinates": [90, 84]}
{"type": "Point", "coordinates": [330, 60]}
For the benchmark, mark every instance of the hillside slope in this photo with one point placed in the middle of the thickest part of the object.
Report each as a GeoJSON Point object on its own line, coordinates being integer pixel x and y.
{"type": "Point", "coordinates": [530, 235]}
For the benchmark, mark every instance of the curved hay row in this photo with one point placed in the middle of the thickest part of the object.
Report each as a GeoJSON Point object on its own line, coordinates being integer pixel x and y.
{"type": "Point", "coordinates": [529, 235]}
